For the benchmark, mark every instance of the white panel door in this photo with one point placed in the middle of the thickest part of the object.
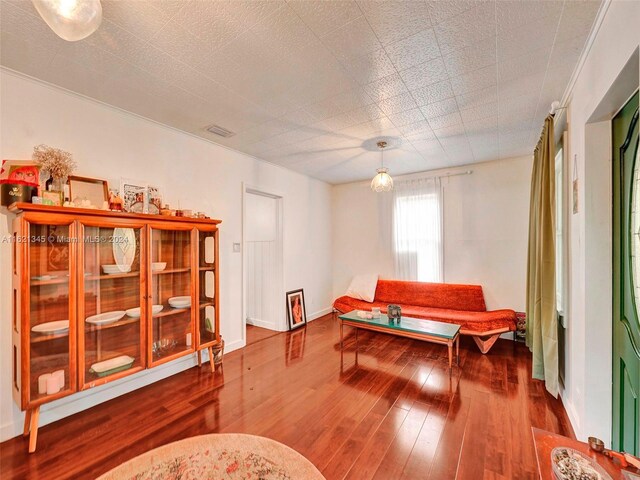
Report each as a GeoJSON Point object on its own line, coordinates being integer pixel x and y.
{"type": "Point", "coordinates": [261, 222]}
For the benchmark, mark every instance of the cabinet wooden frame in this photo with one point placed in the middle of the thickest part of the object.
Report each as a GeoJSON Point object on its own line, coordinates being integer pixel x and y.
{"type": "Point", "coordinates": [22, 326]}
{"type": "Point", "coordinates": [77, 221]}
{"type": "Point", "coordinates": [158, 226]}
{"type": "Point", "coordinates": [109, 223]}
{"type": "Point", "coordinates": [200, 345]}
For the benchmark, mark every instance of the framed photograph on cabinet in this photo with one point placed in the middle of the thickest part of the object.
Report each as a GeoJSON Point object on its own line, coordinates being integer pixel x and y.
{"type": "Point", "coordinates": [94, 190]}
{"type": "Point", "coordinates": [52, 198]}
{"type": "Point", "coordinates": [296, 311]}
{"type": "Point", "coordinates": [140, 197]}
{"type": "Point", "coordinates": [154, 200]}
{"type": "Point", "coordinates": [133, 195]}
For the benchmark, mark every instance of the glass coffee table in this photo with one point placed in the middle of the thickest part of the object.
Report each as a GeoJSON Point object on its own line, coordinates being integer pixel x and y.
{"type": "Point", "coordinates": [416, 328]}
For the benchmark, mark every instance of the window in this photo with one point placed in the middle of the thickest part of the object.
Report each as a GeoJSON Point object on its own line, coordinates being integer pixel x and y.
{"type": "Point", "coordinates": [417, 227]}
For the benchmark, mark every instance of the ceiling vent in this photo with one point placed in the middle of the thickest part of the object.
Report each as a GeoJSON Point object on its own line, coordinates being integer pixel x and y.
{"type": "Point", "coordinates": [222, 132]}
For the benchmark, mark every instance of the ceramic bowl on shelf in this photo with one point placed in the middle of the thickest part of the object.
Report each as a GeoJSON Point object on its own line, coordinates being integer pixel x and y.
{"type": "Point", "coordinates": [115, 269]}
{"type": "Point", "coordinates": [135, 312]}
{"type": "Point", "coordinates": [106, 318]}
{"type": "Point", "coordinates": [59, 326]}
{"type": "Point", "coordinates": [180, 302]}
{"type": "Point", "coordinates": [158, 266]}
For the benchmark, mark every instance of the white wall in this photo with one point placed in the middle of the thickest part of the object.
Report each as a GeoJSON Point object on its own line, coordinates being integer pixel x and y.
{"type": "Point", "coordinates": [593, 101]}
{"type": "Point", "coordinates": [486, 219]}
{"type": "Point", "coordinates": [108, 143]}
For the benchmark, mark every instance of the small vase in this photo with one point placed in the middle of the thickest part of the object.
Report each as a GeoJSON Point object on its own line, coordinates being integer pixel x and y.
{"type": "Point", "coordinates": [57, 185]}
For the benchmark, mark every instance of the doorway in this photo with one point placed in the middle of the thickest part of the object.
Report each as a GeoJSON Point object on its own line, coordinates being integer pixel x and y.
{"type": "Point", "coordinates": [626, 279]}
{"type": "Point", "coordinates": [262, 260]}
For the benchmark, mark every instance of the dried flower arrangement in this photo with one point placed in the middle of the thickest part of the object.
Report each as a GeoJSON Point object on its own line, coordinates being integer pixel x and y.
{"type": "Point", "coordinates": [57, 163]}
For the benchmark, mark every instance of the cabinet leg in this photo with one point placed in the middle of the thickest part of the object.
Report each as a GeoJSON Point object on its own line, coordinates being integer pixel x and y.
{"type": "Point", "coordinates": [33, 436]}
{"type": "Point", "coordinates": [199, 358]}
{"type": "Point", "coordinates": [27, 423]}
{"type": "Point", "coordinates": [211, 361]}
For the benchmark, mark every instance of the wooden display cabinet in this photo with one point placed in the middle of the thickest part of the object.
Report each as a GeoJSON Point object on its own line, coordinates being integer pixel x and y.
{"type": "Point", "coordinates": [208, 289]}
{"type": "Point", "coordinates": [101, 295]}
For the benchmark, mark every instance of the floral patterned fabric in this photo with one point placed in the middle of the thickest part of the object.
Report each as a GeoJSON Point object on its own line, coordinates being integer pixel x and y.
{"type": "Point", "coordinates": [217, 457]}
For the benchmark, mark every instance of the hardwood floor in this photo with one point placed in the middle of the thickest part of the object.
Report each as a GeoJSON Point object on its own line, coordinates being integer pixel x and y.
{"type": "Point", "coordinates": [395, 415]}
{"type": "Point", "coordinates": [257, 334]}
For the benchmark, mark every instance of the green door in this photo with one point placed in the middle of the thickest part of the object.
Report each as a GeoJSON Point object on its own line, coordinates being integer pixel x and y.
{"type": "Point", "coordinates": [626, 280]}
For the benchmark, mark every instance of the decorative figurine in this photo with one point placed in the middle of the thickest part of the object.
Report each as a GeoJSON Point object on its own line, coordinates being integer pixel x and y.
{"type": "Point", "coordinates": [115, 202]}
{"type": "Point", "coordinates": [394, 312]}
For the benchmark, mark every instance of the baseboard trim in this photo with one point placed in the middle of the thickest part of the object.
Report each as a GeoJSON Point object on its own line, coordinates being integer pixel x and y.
{"type": "Point", "coordinates": [319, 313]}
{"type": "Point", "coordinates": [574, 419]}
{"type": "Point", "coordinates": [59, 409]}
{"type": "Point", "coordinates": [262, 324]}
{"type": "Point", "coordinates": [235, 345]}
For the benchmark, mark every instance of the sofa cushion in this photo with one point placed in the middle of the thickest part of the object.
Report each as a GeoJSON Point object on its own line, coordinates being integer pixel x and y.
{"type": "Point", "coordinates": [470, 322]}
{"type": "Point", "coordinates": [436, 295]}
{"type": "Point", "coordinates": [363, 287]}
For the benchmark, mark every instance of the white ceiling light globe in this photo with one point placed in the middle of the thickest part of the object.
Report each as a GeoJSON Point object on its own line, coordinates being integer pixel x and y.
{"type": "Point", "coordinates": [382, 182]}
{"type": "Point", "coordinates": [71, 20]}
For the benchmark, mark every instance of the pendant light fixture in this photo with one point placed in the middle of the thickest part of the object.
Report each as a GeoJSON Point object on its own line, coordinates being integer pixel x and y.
{"type": "Point", "coordinates": [382, 182]}
{"type": "Point", "coordinates": [71, 20]}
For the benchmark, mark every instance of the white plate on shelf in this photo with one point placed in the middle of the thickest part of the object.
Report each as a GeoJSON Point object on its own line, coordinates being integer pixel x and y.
{"type": "Point", "coordinates": [106, 318]}
{"type": "Point", "coordinates": [158, 266]}
{"type": "Point", "coordinates": [43, 278]}
{"type": "Point", "coordinates": [115, 269]}
{"type": "Point", "coordinates": [124, 247]}
{"type": "Point", "coordinates": [59, 326]}
{"type": "Point", "coordinates": [180, 302]}
{"type": "Point", "coordinates": [135, 312]}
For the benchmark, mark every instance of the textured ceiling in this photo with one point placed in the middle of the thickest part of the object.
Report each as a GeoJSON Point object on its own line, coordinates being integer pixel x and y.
{"type": "Point", "coordinates": [310, 85]}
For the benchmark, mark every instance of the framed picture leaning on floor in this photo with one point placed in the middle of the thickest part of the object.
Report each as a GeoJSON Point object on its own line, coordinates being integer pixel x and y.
{"type": "Point", "coordinates": [296, 311]}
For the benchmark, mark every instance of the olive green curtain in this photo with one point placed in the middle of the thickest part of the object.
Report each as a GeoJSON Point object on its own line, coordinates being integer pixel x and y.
{"type": "Point", "coordinates": [542, 319]}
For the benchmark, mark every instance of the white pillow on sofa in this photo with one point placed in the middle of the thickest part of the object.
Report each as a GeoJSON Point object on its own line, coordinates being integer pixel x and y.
{"type": "Point", "coordinates": [363, 287]}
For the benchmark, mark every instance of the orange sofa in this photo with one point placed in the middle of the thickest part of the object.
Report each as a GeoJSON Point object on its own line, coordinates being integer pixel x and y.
{"type": "Point", "coordinates": [460, 304]}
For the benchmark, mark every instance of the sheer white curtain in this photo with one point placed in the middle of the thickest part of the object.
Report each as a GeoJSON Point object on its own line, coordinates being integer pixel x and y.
{"type": "Point", "coordinates": [417, 230]}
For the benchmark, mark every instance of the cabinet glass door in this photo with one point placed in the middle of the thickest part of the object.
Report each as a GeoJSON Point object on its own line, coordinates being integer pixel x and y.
{"type": "Point", "coordinates": [51, 318]}
{"type": "Point", "coordinates": [171, 294]}
{"type": "Point", "coordinates": [111, 339]}
{"type": "Point", "coordinates": [207, 324]}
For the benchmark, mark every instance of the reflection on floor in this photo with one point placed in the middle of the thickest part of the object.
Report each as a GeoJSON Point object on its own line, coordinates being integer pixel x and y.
{"type": "Point", "coordinates": [396, 414]}
{"type": "Point", "coordinates": [256, 334]}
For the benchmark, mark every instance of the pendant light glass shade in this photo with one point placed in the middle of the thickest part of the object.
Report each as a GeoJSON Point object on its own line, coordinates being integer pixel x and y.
{"type": "Point", "coordinates": [382, 182]}
{"type": "Point", "coordinates": [71, 20]}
